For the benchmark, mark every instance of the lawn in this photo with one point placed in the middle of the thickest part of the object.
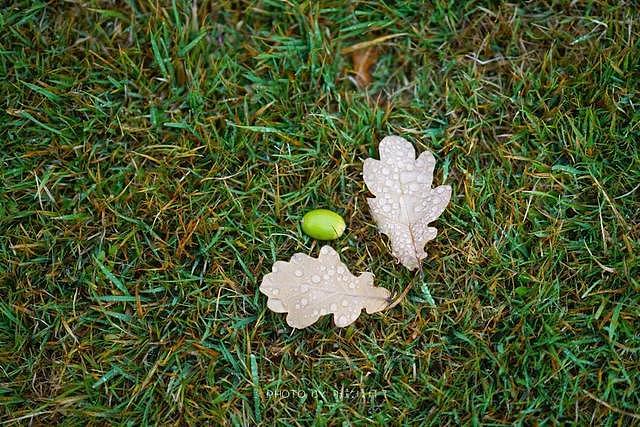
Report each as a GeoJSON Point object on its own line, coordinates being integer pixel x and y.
{"type": "Point", "coordinates": [156, 158]}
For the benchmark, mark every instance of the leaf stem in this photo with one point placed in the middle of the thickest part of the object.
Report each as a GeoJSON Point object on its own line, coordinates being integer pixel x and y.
{"type": "Point", "coordinates": [406, 290]}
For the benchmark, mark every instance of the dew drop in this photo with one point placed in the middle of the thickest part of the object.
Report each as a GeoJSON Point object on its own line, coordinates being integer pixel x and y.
{"type": "Point", "coordinates": [406, 177]}
{"type": "Point", "coordinates": [276, 291]}
{"type": "Point", "coordinates": [345, 303]}
{"type": "Point", "coordinates": [315, 278]}
{"type": "Point", "coordinates": [303, 302]}
{"type": "Point", "coordinates": [298, 273]}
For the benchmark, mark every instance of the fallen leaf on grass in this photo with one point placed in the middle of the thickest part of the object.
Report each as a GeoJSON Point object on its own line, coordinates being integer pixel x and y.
{"type": "Point", "coordinates": [307, 288]}
{"type": "Point", "coordinates": [363, 60]}
{"type": "Point", "coordinates": [405, 203]}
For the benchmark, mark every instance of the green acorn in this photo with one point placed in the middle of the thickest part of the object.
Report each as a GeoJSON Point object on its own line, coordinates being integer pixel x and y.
{"type": "Point", "coordinates": [323, 224]}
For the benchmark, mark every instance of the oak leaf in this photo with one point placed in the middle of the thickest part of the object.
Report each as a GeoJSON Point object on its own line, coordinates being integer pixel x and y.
{"type": "Point", "coordinates": [307, 288]}
{"type": "Point", "coordinates": [405, 203]}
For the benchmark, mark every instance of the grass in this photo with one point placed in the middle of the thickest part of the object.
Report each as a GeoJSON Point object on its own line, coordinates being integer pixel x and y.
{"type": "Point", "coordinates": [156, 158]}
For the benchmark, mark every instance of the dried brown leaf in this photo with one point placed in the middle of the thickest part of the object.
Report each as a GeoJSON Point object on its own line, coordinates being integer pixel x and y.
{"type": "Point", "coordinates": [363, 61]}
{"type": "Point", "coordinates": [307, 288]}
{"type": "Point", "coordinates": [405, 203]}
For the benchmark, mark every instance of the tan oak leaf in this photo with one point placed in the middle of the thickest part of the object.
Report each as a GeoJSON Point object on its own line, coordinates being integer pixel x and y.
{"type": "Point", "coordinates": [307, 288]}
{"type": "Point", "coordinates": [405, 203]}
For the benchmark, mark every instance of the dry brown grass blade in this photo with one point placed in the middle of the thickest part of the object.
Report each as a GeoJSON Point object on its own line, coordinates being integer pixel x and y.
{"type": "Point", "coordinates": [370, 43]}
